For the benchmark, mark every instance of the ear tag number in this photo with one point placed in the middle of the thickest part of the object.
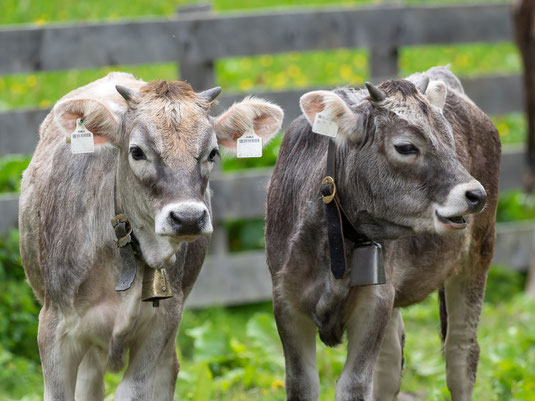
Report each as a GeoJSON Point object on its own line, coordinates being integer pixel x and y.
{"type": "Point", "coordinates": [325, 125]}
{"type": "Point", "coordinates": [249, 145]}
{"type": "Point", "coordinates": [82, 139]}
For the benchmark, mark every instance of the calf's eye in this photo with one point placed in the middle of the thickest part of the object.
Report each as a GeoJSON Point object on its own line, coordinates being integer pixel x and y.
{"type": "Point", "coordinates": [137, 153]}
{"type": "Point", "coordinates": [213, 154]}
{"type": "Point", "coordinates": [406, 149]}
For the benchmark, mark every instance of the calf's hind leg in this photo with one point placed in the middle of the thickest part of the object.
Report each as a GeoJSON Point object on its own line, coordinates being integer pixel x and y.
{"type": "Point", "coordinates": [387, 374]}
{"type": "Point", "coordinates": [298, 336]}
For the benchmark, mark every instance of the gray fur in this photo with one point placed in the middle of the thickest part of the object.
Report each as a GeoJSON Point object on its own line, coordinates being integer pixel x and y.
{"type": "Point", "coordinates": [392, 202]}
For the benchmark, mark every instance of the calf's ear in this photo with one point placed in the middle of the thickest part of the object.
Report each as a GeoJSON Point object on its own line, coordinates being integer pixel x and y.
{"type": "Point", "coordinates": [101, 104]}
{"type": "Point", "coordinates": [333, 107]}
{"type": "Point", "coordinates": [436, 93]}
{"type": "Point", "coordinates": [264, 117]}
{"type": "Point", "coordinates": [98, 118]}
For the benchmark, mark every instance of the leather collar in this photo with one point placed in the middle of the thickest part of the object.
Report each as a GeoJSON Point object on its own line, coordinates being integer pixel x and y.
{"type": "Point", "coordinates": [339, 226]}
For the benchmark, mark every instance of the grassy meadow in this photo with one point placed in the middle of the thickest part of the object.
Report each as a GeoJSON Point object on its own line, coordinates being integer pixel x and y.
{"type": "Point", "coordinates": [233, 354]}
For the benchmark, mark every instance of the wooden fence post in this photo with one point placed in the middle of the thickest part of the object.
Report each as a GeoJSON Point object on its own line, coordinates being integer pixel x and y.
{"type": "Point", "coordinates": [200, 75]}
{"type": "Point", "coordinates": [383, 63]}
{"type": "Point", "coordinates": [524, 18]}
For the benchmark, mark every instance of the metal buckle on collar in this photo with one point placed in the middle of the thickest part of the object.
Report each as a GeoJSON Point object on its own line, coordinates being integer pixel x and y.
{"type": "Point", "coordinates": [123, 241]}
{"type": "Point", "coordinates": [120, 218]}
{"type": "Point", "coordinates": [117, 221]}
{"type": "Point", "coordinates": [328, 181]}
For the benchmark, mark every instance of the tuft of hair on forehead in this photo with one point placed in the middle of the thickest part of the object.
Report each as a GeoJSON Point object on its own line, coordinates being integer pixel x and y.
{"type": "Point", "coordinates": [176, 113]}
{"type": "Point", "coordinates": [171, 91]}
{"type": "Point", "coordinates": [403, 98]}
{"type": "Point", "coordinates": [394, 88]}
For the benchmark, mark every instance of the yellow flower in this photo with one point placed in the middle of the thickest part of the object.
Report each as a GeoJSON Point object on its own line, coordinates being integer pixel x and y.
{"type": "Point", "coordinates": [40, 21]}
{"type": "Point", "coordinates": [503, 129]}
{"type": "Point", "coordinates": [31, 81]}
{"type": "Point", "coordinates": [44, 103]}
{"type": "Point", "coordinates": [280, 80]}
{"type": "Point", "coordinates": [277, 383]}
{"type": "Point", "coordinates": [294, 71]}
{"type": "Point", "coordinates": [266, 61]}
{"type": "Point", "coordinates": [462, 60]}
{"type": "Point", "coordinates": [345, 72]}
{"type": "Point", "coordinates": [301, 81]}
{"type": "Point", "coordinates": [246, 84]}
{"type": "Point", "coordinates": [17, 88]}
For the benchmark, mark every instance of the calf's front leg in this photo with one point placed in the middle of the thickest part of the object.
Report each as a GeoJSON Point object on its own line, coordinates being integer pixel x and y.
{"type": "Point", "coordinates": [365, 331]}
{"type": "Point", "coordinates": [147, 351]}
{"type": "Point", "coordinates": [298, 336]}
{"type": "Point", "coordinates": [387, 374]}
{"type": "Point", "coordinates": [464, 299]}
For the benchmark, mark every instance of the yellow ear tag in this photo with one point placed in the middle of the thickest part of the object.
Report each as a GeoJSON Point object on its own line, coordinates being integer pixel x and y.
{"type": "Point", "coordinates": [82, 139]}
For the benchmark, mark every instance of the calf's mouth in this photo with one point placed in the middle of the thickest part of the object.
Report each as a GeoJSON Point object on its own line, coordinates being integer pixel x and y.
{"type": "Point", "coordinates": [451, 222]}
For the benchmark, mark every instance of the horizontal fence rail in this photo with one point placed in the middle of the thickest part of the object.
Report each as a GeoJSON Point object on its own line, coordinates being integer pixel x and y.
{"type": "Point", "coordinates": [200, 38]}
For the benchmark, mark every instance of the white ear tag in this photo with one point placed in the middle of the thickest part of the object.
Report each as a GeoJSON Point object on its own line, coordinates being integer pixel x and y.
{"type": "Point", "coordinates": [249, 145]}
{"type": "Point", "coordinates": [325, 125]}
{"type": "Point", "coordinates": [82, 139]}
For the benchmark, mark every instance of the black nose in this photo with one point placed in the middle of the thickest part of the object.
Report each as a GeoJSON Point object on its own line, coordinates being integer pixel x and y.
{"type": "Point", "coordinates": [476, 200]}
{"type": "Point", "coordinates": [188, 222]}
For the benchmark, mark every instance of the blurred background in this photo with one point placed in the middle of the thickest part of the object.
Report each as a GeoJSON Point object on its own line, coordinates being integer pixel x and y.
{"type": "Point", "coordinates": [228, 344]}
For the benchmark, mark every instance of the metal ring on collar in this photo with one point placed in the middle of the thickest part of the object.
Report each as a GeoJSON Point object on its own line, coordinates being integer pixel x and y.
{"type": "Point", "coordinates": [329, 198]}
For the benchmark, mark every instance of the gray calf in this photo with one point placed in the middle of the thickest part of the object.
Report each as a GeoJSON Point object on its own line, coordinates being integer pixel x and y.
{"type": "Point", "coordinates": [155, 145]}
{"type": "Point", "coordinates": [415, 159]}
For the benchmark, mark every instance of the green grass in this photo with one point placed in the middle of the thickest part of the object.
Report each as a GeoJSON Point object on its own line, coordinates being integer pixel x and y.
{"type": "Point", "coordinates": [233, 354]}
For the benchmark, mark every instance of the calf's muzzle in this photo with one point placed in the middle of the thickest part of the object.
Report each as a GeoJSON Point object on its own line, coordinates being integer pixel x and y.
{"type": "Point", "coordinates": [476, 199]}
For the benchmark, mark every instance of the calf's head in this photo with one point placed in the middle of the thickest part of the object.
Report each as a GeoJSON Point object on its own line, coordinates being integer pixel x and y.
{"type": "Point", "coordinates": [168, 144]}
{"type": "Point", "coordinates": [399, 169]}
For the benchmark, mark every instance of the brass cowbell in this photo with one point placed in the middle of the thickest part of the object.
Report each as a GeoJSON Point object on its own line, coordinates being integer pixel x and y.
{"type": "Point", "coordinates": [155, 286]}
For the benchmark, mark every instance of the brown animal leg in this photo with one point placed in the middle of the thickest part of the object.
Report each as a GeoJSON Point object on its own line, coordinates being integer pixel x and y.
{"type": "Point", "coordinates": [298, 336]}
{"type": "Point", "coordinates": [90, 379]}
{"type": "Point", "coordinates": [464, 299]}
{"type": "Point", "coordinates": [60, 357]}
{"type": "Point", "coordinates": [366, 326]}
{"type": "Point", "coordinates": [387, 374]}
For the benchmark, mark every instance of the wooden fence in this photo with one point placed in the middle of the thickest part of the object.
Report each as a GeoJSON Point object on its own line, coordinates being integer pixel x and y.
{"type": "Point", "coordinates": [196, 38]}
